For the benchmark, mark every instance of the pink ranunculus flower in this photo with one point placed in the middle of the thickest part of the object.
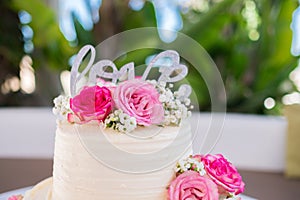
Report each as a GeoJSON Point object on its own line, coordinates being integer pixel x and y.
{"type": "Point", "coordinates": [92, 103]}
{"type": "Point", "coordinates": [223, 173]}
{"type": "Point", "coordinates": [140, 100]}
{"type": "Point", "coordinates": [191, 185]}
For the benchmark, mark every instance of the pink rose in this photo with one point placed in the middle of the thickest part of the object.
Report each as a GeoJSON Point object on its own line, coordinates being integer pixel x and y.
{"type": "Point", "coordinates": [92, 103]}
{"type": "Point", "coordinates": [223, 173]}
{"type": "Point", "coordinates": [191, 185]}
{"type": "Point", "coordinates": [139, 99]}
{"type": "Point", "coordinates": [14, 197]}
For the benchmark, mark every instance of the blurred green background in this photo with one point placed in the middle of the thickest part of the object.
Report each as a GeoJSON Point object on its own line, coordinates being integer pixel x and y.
{"type": "Point", "coordinates": [249, 40]}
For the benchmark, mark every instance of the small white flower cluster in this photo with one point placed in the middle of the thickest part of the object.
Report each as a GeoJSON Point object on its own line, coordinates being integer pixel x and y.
{"type": "Point", "coordinates": [176, 105]}
{"type": "Point", "coordinates": [118, 120]}
{"type": "Point", "coordinates": [61, 106]}
{"type": "Point", "coordinates": [190, 163]}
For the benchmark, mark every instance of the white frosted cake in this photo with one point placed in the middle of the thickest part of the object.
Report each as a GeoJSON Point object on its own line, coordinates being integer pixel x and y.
{"type": "Point", "coordinates": [79, 175]}
{"type": "Point", "coordinates": [130, 139]}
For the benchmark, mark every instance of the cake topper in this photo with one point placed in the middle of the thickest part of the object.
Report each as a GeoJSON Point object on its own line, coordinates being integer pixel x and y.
{"type": "Point", "coordinates": [98, 69]}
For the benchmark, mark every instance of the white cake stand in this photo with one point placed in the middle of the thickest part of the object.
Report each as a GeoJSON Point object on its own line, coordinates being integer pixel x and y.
{"type": "Point", "coordinates": [43, 191]}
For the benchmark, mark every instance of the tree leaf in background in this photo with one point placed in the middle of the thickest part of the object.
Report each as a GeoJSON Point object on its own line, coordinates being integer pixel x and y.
{"type": "Point", "coordinates": [51, 48]}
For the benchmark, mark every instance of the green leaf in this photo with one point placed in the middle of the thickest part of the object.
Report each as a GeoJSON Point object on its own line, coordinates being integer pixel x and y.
{"type": "Point", "coordinates": [51, 48]}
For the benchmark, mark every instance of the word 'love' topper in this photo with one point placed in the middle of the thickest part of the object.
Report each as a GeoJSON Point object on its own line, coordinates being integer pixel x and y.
{"type": "Point", "coordinates": [98, 70]}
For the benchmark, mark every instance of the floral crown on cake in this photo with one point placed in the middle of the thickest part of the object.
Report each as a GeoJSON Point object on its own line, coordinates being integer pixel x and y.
{"type": "Point", "coordinates": [125, 103]}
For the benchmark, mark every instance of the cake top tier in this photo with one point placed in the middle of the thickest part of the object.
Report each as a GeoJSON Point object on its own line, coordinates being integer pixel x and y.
{"type": "Point", "coordinates": [121, 100]}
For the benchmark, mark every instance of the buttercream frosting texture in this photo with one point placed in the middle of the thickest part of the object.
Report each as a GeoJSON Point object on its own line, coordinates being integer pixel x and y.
{"type": "Point", "coordinates": [79, 173]}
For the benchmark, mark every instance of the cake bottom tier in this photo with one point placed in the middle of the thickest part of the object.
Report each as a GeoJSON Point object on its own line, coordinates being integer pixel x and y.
{"type": "Point", "coordinates": [91, 163]}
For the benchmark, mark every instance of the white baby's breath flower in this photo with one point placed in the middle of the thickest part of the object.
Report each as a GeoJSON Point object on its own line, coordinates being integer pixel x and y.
{"type": "Point", "coordinates": [130, 124]}
{"type": "Point", "coordinates": [190, 160]}
{"type": "Point", "coordinates": [55, 111]}
{"type": "Point", "coordinates": [182, 165]}
{"type": "Point", "coordinates": [61, 106]}
{"type": "Point", "coordinates": [176, 94]}
{"type": "Point", "coordinates": [175, 103]}
{"type": "Point", "coordinates": [119, 127]}
{"type": "Point", "coordinates": [153, 82]}
{"type": "Point", "coordinates": [174, 120]}
{"type": "Point", "coordinates": [117, 112]}
{"type": "Point", "coordinates": [123, 117]}
{"type": "Point", "coordinates": [167, 121]}
{"type": "Point", "coordinates": [202, 172]}
{"type": "Point", "coordinates": [120, 121]}
{"type": "Point", "coordinates": [200, 168]}
{"type": "Point", "coordinates": [132, 121]}
{"type": "Point", "coordinates": [169, 94]}
{"type": "Point", "coordinates": [162, 98]}
{"type": "Point", "coordinates": [162, 84]}
{"type": "Point", "coordinates": [190, 163]}
{"type": "Point", "coordinates": [57, 100]}
{"type": "Point", "coordinates": [106, 121]}
{"type": "Point", "coordinates": [177, 114]}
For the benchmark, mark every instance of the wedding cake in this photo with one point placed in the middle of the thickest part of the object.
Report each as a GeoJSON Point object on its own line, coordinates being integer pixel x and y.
{"type": "Point", "coordinates": [130, 138]}
{"type": "Point", "coordinates": [79, 175]}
